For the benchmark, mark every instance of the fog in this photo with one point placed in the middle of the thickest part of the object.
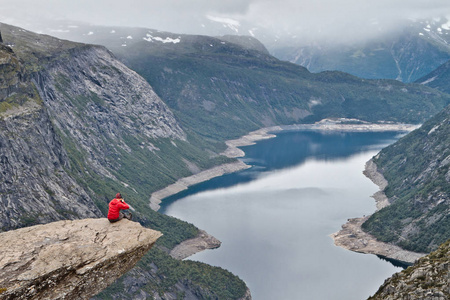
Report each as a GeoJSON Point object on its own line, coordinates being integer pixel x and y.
{"type": "Point", "coordinates": [309, 19]}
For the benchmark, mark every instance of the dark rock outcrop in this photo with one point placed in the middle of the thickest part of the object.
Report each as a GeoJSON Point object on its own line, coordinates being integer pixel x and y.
{"type": "Point", "coordinates": [69, 259]}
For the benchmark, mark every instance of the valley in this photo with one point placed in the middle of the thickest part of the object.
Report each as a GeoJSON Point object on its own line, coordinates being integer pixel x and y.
{"type": "Point", "coordinates": [159, 112]}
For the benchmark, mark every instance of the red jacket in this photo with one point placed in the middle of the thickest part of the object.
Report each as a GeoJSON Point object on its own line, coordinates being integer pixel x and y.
{"type": "Point", "coordinates": [114, 207]}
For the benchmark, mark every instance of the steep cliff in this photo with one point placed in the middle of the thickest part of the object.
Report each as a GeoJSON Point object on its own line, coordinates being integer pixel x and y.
{"type": "Point", "coordinates": [418, 175]}
{"type": "Point", "coordinates": [35, 188]}
{"type": "Point", "coordinates": [69, 259]}
{"type": "Point", "coordinates": [427, 279]}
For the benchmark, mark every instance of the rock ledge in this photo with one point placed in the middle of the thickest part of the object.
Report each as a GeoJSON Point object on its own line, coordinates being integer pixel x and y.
{"type": "Point", "coordinates": [69, 259]}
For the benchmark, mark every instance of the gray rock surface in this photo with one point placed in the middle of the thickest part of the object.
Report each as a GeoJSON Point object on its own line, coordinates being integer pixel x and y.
{"type": "Point", "coordinates": [34, 186]}
{"type": "Point", "coordinates": [69, 259]}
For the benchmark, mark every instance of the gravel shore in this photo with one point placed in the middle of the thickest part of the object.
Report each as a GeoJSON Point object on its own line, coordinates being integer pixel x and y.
{"type": "Point", "coordinates": [353, 238]}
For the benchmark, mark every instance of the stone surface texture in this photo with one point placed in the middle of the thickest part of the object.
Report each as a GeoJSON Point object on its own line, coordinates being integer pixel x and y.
{"type": "Point", "coordinates": [69, 259]}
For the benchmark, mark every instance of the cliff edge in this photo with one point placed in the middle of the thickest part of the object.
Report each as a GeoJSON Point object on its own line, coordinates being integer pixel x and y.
{"type": "Point", "coordinates": [69, 259]}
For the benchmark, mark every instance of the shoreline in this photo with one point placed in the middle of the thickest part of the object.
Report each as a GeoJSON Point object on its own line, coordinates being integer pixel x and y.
{"type": "Point", "coordinates": [353, 238]}
{"type": "Point", "coordinates": [197, 244]}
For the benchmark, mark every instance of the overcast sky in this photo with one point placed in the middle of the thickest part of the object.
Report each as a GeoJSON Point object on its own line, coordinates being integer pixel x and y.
{"type": "Point", "coordinates": [321, 18]}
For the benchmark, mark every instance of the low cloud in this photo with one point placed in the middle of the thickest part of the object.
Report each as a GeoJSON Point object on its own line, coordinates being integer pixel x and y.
{"type": "Point", "coordinates": [309, 19]}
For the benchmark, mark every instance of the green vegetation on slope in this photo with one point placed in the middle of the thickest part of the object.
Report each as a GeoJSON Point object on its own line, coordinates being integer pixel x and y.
{"type": "Point", "coordinates": [417, 169]}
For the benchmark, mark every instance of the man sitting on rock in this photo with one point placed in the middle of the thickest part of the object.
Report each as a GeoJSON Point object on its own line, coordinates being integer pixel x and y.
{"type": "Point", "coordinates": [117, 204]}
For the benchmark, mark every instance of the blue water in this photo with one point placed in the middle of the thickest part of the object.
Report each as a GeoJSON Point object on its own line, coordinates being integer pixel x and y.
{"type": "Point", "coordinates": [274, 219]}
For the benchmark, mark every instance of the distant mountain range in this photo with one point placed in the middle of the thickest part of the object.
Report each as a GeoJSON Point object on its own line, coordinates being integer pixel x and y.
{"type": "Point", "coordinates": [412, 51]}
{"type": "Point", "coordinates": [406, 55]}
{"type": "Point", "coordinates": [221, 89]}
{"type": "Point", "coordinates": [226, 86]}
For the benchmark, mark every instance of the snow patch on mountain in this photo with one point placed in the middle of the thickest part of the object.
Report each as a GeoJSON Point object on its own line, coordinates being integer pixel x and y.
{"type": "Point", "coordinates": [446, 26]}
{"type": "Point", "coordinates": [429, 80]}
{"type": "Point", "coordinates": [150, 38]}
{"type": "Point", "coordinates": [226, 22]}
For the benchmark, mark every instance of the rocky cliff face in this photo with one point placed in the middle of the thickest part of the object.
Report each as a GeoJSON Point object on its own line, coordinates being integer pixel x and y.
{"type": "Point", "coordinates": [428, 279]}
{"type": "Point", "coordinates": [69, 259]}
{"type": "Point", "coordinates": [59, 97]}
{"type": "Point", "coordinates": [34, 186]}
{"type": "Point", "coordinates": [100, 102]}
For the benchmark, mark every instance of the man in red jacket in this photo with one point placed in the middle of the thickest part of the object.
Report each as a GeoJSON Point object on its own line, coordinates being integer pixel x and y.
{"type": "Point", "coordinates": [114, 213]}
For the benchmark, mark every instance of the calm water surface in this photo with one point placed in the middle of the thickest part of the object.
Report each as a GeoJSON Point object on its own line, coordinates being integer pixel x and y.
{"type": "Point", "coordinates": [274, 220]}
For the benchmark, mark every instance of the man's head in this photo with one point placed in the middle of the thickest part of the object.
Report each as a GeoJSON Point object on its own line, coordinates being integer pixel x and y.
{"type": "Point", "coordinates": [118, 196]}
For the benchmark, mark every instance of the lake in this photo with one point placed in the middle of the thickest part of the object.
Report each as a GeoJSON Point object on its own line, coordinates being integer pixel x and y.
{"type": "Point", "coordinates": [274, 219]}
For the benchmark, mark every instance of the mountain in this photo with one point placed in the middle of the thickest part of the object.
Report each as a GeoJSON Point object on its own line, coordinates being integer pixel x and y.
{"type": "Point", "coordinates": [77, 126]}
{"type": "Point", "coordinates": [408, 54]}
{"type": "Point", "coordinates": [221, 90]}
{"type": "Point", "coordinates": [438, 79]}
{"type": "Point", "coordinates": [410, 51]}
{"type": "Point", "coordinates": [417, 171]}
{"type": "Point", "coordinates": [427, 279]}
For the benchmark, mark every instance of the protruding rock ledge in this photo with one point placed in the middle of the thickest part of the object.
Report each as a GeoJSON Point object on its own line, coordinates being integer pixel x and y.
{"type": "Point", "coordinates": [69, 259]}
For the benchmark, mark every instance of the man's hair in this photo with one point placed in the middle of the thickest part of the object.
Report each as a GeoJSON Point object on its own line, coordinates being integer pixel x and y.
{"type": "Point", "coordinates": [118, 196]}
